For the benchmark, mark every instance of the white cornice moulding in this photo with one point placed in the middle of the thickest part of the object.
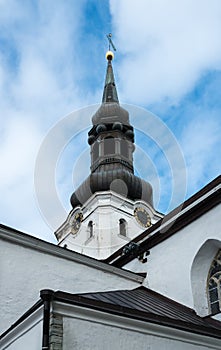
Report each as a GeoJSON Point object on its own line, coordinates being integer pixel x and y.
{"type": "Point", "coordinates": [49, 248]}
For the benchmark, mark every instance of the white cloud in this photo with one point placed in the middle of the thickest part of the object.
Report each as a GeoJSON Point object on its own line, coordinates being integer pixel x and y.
{"type": "Point", "coordinates": [201, 144]}
{"type": "Point", "coordinates": [37, 86]}
{"type": "Point", "coordinates": [168, 46]}
{"type": "Point", "coordinates": [19, 143]}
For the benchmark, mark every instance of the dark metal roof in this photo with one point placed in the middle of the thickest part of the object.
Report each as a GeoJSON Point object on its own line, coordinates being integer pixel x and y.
{"type": "Point", "coordinates": [103, 180]}
{"type": "Point", "coordinates": [146, 300]}
{"type": "Point", "coordinates": [146, 305]}
{"type": "Point", "coordinates": [110, 112]}
{"type": "Point", "coordinates": [147, 240]}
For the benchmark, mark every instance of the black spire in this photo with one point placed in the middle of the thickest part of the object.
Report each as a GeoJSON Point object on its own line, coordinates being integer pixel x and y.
{"type": "Point", "coordinates": [110, 91]}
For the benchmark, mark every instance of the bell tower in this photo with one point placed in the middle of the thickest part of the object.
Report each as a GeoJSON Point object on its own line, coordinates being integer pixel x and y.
{"type": "Point", "coordinates": [112, 205]}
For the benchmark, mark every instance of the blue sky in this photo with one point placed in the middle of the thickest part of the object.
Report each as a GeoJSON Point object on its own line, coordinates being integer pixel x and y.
{"type": "Point", "coordinates": [168, 62]}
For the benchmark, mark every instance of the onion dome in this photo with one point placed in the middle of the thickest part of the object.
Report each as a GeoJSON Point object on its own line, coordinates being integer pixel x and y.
{"type": "Point", "coordinates": [117, 180]}
{"type": "Point", "coordinates": [110, 112]}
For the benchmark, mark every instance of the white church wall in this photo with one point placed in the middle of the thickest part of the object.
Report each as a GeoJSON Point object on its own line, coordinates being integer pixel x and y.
{"type": "Point", "coordinates": [170, 263]}
{"type": "Point", "coordinates": [90, 329]}
{"type": "Point", "coordinates": [24, 271]}
{"type": "Point", "coordinates": [27, 335]}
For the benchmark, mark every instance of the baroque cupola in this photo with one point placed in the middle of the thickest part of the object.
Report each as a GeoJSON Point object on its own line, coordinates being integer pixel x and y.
{"type": "Point", "coordinates": [112, 205]}
{"type": "Point", "coordinates": [111, 140]}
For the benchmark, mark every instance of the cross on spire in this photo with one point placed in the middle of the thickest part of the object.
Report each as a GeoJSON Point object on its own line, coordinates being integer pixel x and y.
{"type": "Point", "coordinates": [111, 44]}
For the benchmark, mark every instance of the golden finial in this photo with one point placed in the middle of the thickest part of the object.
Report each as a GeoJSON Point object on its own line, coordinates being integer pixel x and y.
{"type": "Point", "coordinates": [109, 55]}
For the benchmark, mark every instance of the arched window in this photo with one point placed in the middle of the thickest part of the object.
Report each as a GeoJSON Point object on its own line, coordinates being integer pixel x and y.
{"type": "Point", "coordinates": [123, 227]}
{"type": "Point", "coordinates": [214, 285]}
{"type": "Point", "coordinates": [90, 229]}
{"type": "Point", "coordinates": [109, 145]}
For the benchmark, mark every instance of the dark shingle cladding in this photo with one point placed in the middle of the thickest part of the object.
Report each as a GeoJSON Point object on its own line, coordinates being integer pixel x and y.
{"type": "Point", "coordinates": [153, 235]}
{"type": "Point", "coordinates": [146, 305]}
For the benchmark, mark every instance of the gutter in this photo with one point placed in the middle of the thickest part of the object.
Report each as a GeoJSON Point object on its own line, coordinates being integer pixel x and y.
{"type": "Point", "coordinates": [47, 296]}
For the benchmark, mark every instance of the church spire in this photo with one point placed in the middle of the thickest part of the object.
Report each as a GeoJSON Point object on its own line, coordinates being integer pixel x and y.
{"type": "Point", "coordinates": [111, 141]}
{"type": "Point", "coordinates": [110, 91]}
{"type": "Point", "coordinates": [110, 203]}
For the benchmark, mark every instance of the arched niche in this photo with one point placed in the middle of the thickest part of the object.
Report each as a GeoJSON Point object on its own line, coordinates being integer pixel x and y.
{"type": "Point", "coordinates": [199, 275]}
{"type": "Point", "coordinates": [123, 227]}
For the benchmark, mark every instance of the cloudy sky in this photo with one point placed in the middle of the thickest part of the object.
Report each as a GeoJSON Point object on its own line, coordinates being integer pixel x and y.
{"type": "Point", "coordinates": [52, 67]}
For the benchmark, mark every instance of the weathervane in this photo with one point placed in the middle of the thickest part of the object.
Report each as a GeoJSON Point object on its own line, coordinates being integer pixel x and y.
{"type": "Point", "coordinates": [111, 44]}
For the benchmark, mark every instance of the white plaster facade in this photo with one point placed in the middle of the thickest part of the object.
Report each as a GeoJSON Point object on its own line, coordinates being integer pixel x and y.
{"type": "Point", "coordinates": [84, 328]}
{"type": "Point", "coordinates": [28, 334]}
{"type": "Point", "coordinates": [103, 211]}
{"type": "Point", "coordinates": [28, 265]}
{"type": "Point", "coordinates": [90, 329]}
{"type": "Point", "coordinates": [178, 267]}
